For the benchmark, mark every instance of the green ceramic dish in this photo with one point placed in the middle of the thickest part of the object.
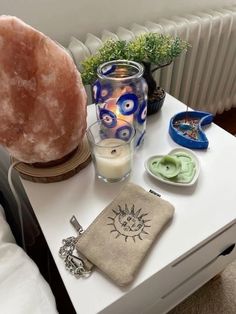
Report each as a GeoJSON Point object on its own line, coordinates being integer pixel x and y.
{"type": "Point", "coordinates": [178, 167]}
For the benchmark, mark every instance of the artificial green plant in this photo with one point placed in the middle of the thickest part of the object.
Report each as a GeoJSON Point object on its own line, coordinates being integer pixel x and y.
{"type": "Point", "coordinates": [149, 48]}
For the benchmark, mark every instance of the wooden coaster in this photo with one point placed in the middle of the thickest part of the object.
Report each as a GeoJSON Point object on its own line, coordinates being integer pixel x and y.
{"type": "Point", "coordinates": [79, 160]}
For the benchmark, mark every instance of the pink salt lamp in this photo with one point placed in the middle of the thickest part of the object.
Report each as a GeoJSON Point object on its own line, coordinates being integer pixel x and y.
{"type": "Point", "coordinates": [42, 99]}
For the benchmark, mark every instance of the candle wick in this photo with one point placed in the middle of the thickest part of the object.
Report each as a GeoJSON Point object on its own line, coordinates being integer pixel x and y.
{"type": "Point", "coordinates": [113, 151]}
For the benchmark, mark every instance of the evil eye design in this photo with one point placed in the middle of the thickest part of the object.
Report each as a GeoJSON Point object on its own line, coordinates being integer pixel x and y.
{"type": "Point", "coordinates": [140, 140]}
{"type": "Point", "coordinates": [142, 114]}
{"type": "Point", "coordinates": [108, 118]}
{"type": "Point", "coordinates": [96, 91]}
{"type": "Point", "coordinates": [123, 133]}
{"type": "Point", "coordinates": [130, 88]}
{"type": "Point", "coordinates": [105, 92]}
{"type": "Point", "coordinates": [108, 69]}
{"type": "Point", "coordinates": [128, 104]}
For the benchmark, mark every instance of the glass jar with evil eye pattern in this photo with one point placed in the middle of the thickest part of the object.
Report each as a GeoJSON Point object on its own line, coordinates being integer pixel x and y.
{"type": "Point", "coordinates": [120, 92]}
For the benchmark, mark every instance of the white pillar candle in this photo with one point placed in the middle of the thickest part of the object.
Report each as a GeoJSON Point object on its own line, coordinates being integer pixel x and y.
{"type": "Point", "coordinates": [113, 158]}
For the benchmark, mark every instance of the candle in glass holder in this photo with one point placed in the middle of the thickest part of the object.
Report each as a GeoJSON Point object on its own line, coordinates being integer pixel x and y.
{"type": "Point", "coordinates": [113, 159]}
{"type": "Point", "coordinates": [112, 144]}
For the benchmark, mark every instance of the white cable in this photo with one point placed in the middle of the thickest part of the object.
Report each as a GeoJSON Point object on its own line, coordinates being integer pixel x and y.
{"type": "Point", "coordinates": [17, 201]}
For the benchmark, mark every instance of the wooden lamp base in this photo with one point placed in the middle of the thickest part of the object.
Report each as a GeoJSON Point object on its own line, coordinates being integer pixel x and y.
{"type": "Point", "coordinates": [58, 172]}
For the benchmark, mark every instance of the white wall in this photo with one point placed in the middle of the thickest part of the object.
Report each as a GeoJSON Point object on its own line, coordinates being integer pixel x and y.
{"type": "Point", "coordinates": [60, 18]}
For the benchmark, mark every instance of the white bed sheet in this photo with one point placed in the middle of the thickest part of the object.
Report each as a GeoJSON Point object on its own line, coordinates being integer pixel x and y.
{"type": "Point", "coordinates": [23, 290]}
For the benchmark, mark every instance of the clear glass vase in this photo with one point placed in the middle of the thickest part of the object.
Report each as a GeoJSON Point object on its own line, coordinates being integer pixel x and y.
{"type": "Point", "coordinates": [120, 92]}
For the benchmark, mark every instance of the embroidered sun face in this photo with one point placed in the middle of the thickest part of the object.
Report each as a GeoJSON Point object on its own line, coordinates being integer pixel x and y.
{"type": "Point", "coordinates": [129, 223]}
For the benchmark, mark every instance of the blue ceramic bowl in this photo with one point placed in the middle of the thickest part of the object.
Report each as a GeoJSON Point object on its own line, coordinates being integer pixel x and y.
{"type": "Point", "coordinates": [185, 128]}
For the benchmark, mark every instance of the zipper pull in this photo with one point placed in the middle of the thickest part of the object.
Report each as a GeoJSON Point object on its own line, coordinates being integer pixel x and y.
{"type": "Point", "coordinates": [79, 229]}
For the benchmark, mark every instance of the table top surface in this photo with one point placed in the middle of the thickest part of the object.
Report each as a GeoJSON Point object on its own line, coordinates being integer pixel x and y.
{"type": "Point", "coordinates": [201, 210]}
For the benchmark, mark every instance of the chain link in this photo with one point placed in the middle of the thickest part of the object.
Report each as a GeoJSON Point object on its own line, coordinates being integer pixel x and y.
{"type": "Point", "coordinates": [73, 264]}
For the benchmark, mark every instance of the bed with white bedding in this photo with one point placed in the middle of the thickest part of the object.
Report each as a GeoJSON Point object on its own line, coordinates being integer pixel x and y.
{"type": "Point", "coordinates": [23, 290]}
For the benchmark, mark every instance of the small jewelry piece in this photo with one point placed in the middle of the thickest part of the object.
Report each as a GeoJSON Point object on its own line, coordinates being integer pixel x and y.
{"type": "Point", "coordinates": [67, 248]}
{"type": "Point", "coordinates": [74, 264]}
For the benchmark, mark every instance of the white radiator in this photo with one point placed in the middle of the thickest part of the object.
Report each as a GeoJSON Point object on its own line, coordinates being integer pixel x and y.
{"type": "Point", "coordinates": [204, 77]}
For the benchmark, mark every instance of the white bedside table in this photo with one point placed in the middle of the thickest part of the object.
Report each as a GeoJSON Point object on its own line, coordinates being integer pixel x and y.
{"type": "Point", "coordinates": [187, 253]}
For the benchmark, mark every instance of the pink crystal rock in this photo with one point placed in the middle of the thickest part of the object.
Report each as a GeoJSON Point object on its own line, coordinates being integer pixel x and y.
{"type": "Point", "coordinates": [42, 98]}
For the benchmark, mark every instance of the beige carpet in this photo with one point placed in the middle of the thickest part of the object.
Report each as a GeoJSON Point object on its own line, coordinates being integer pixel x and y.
{"type": "Point", "coordinates": [218, 296]}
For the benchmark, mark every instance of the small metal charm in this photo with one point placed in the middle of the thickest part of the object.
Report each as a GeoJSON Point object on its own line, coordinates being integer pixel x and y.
{"type": "Point", "coordinates": [73, 264]}
{"type": "Point", "coordinates": [68, 247]}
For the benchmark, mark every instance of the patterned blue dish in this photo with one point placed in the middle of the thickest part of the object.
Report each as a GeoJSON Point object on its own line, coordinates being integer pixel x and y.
{"type": "Point", "coordinates": [185, 128]}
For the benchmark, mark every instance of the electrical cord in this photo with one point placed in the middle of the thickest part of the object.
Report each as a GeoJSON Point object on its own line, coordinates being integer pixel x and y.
{"type": "Point", "coordinates": [18, 202]}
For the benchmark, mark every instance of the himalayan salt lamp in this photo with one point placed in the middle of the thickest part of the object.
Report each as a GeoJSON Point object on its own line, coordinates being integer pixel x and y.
{"type": "Point", "coordinates": [42, 99]}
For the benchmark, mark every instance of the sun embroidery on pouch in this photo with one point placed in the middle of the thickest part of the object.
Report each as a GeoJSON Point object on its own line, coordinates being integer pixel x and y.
{"type": "Point", "coordinates": [129, 223]}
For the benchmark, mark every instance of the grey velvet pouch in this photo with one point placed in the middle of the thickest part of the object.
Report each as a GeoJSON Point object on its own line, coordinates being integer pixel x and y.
{"type": "Point", "coordinates": [120, 236]}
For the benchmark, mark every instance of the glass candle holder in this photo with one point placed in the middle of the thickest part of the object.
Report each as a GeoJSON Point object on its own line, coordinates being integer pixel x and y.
{"type": "Point", "coordinates": [121, 92]}
{"type": "Point", "coordinates": [112, 146]}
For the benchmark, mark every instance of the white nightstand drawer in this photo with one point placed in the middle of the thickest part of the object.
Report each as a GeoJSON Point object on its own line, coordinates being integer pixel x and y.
{"type": "Point", "coordinates": [175, 281]}
{"type": "Point", "coordinates": [199, 257]}
{"type": "Point", "coordinates": [191, 284]}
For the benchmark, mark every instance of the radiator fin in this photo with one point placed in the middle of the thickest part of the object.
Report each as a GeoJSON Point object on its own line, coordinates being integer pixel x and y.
{"type": "Point", "coordinates": [205, 76]}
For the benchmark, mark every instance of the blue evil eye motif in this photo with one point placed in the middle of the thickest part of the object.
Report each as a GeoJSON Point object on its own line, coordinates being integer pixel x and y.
{"type": "Point", "coordinates": [142, 114]}
{"type": "Point", "coordinates": [108, 118]}
{"type": "Point", "coordinates": [105, 92]}
{"type": "Point", "coordinates": [130, 88]}
{"type": "Point", "coordinates": [124, 132]}
{"type": "Point", "coordinates": [108, 69]}
{"type": "Point", "coordinates": [140, 140]}
{"type": "Point", "coordinates": [128, 104]}
{"type": "Point", "coordinates": [96, 91]}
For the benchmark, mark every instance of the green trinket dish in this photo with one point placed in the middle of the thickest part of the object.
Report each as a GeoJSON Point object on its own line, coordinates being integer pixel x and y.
{"type": "Point", "coordinates": [179, 167]}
